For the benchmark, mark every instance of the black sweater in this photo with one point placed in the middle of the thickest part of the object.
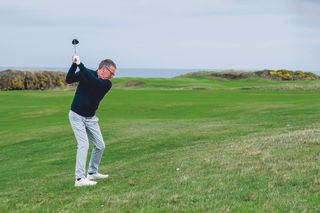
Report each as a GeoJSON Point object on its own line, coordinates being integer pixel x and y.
{"type": "Point", "coordinates": [90, 90]}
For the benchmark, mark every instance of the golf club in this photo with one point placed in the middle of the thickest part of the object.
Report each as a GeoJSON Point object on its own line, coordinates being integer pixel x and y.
{"type": "Point", "coordinates": [75, 42]}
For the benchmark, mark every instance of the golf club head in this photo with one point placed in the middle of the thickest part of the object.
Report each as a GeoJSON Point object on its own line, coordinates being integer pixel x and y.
{"type": "Point", "coordinates": [75, 41]}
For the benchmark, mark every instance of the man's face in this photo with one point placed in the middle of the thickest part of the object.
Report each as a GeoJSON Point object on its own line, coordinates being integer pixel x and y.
{"type": "Point", "coordinates": [107, 72]}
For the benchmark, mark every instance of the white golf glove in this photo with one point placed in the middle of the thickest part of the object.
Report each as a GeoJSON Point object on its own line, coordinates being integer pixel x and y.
{"type": "Point", "coordinates": [76, 59]}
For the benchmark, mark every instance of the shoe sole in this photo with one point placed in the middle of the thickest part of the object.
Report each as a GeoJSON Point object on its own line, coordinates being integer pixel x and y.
{"type": "Point", "coordinates": [97, 178]}
{"type": "Point", "coordinates": [85, 185]}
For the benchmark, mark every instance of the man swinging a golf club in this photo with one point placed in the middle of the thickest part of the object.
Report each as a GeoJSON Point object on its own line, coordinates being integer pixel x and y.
{"type": "Point", "coordinates": [92, 87]}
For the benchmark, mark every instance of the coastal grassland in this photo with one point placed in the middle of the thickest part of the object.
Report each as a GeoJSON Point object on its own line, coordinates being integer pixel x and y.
{"type": "Point", "coordinates": [170, 148]}
{"type": "Point", "coordinates": [207, 83]}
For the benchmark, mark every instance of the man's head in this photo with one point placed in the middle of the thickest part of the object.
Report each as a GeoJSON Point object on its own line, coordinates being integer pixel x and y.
{"type": "Point", "coordinates": [107, 69]}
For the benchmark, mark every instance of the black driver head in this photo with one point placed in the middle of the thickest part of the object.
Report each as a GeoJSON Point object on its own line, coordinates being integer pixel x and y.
{"type": "Point", "coordinates": [75, 41]}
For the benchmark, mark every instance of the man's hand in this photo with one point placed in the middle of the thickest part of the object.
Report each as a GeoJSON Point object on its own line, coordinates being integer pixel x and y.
{"type": "Point", "coordinates": [76, 59]}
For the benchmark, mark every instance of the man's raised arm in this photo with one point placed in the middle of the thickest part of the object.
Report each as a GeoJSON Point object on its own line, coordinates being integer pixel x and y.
{"type": "Point", "coordinates": [71, 76]}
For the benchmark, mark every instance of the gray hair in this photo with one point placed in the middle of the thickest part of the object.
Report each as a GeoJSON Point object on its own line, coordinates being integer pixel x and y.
{"type": "Point", "coordinates": [107, 63]}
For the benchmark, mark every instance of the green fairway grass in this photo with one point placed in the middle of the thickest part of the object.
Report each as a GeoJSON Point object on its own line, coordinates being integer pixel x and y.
{"type": "Point", "coordinates": [173, 145]}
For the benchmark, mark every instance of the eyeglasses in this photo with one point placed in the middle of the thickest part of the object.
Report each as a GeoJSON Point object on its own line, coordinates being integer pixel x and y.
{"type": "Point", "coordinates": [113, 74]}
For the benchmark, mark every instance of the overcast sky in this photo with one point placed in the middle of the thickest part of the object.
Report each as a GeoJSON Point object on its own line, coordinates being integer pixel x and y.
{"type": "Point", "coordinates": [201, 34]}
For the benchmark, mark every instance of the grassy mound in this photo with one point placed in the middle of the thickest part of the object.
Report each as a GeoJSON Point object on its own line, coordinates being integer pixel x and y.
{"type": "Point", "coordinates": [268, 74]}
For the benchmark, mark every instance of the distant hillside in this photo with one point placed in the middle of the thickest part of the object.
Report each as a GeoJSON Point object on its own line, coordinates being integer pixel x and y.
{"type": "Point", "coordinates": [19, 80]}
{"type": "Point", "coordinates": [269, 74]}
{"type": "Point", "coordinates": [34, 80]}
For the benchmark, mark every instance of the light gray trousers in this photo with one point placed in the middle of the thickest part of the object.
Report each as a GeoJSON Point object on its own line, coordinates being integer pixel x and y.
{"type": "Point", "coordinates": [86, 128]}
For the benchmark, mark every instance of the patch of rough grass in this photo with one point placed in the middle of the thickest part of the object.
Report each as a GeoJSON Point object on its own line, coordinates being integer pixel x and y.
{"type": "Point", "coordinates": [134, 83]}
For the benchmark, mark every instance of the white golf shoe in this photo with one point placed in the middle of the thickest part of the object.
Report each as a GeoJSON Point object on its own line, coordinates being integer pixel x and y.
{"type": "Point", "coordinates": [96, 176]}
{"type": "Point", "coordinates": [84, 182]}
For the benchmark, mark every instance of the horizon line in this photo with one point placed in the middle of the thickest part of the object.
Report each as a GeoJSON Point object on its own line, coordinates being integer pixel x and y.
{"type": "Point", "coordinates": [166, 68]}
